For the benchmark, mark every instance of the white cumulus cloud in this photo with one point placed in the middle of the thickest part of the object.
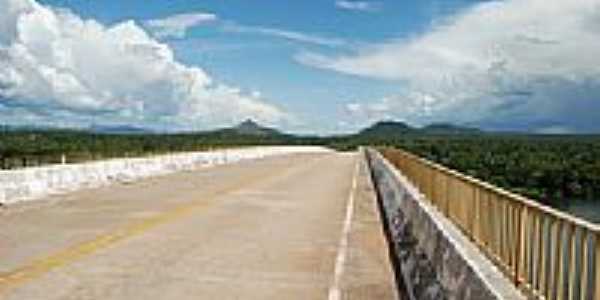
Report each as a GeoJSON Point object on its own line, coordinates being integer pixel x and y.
{"type": "Point", "coordinates": [177, 25]}
{"type": "Point", "coordinates": [362, 6]}
{"type": "Point", "coordinates": [493, 59]}
{"type": "Point", "coordinates": [54, 62]}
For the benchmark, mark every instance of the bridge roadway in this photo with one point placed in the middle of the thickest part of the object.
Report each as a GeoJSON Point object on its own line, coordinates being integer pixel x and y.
{"type": "Point", "coordinates": [300, 226]}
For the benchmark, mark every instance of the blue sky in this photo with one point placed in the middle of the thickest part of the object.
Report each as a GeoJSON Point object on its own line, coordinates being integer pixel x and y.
{"type": "Point", "coordinates": [319, 66]}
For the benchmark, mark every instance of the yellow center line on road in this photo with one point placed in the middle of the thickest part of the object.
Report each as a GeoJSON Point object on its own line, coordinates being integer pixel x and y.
{"type": "Point", "coordinates": [39, 267]}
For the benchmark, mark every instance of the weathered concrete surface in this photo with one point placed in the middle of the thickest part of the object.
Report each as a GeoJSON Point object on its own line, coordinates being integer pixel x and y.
{"type": "Point", "coordinates": [35, 183]}
{"type": "Point", "coordinates": [259, 229]}
{"type": "Point", "coordinates": [436, 260]}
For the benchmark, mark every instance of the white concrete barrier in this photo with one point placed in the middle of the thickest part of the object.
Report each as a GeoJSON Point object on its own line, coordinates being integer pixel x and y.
{"type": "Point", "coordinates": [34, 183]}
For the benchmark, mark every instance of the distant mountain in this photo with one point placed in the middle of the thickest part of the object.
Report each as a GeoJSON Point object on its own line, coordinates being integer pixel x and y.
{"type": "Point", "coordinates": [385, 129]}
{"type": "Point", "coordinates": [28, 128]}
{"type": "Point", "coordinates": [389, 129]}
{"type": "Point", "coordinates": [447, 128]}
{"type": "Point", "coordinates": [118, 129]}
{"type": "Point", "coordinates": [249, 128]}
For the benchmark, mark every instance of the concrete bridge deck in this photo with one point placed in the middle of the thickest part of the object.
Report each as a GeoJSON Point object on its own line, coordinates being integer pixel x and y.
{"type": "Point", "coordinates": [302, 226]}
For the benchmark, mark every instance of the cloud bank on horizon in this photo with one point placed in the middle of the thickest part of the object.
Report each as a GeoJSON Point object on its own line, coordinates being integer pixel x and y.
{"type": "Point", "coordinates": [512, 65]}
{"type": "Point", "coordinates": [54, 64]}
{"type": "Point", "coordinates": [506, 65]}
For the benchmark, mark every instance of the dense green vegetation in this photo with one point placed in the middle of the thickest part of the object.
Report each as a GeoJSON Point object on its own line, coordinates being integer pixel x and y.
{"type": "Point", "coordinates": [35, 147]}
{"type": "Point", "coordinates": [545, 168]}
{"type": "Point", "coordinates": [548, 168]}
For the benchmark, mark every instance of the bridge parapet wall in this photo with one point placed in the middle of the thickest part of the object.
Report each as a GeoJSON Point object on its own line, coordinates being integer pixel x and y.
{"type": "Point", "coordinates": [436, 260]}
{"type": "Point", "coordinates": [34, 183]}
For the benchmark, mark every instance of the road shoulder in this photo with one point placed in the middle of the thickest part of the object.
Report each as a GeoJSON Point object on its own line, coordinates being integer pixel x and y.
{"type": "Point", "coordinates": [369, 273]}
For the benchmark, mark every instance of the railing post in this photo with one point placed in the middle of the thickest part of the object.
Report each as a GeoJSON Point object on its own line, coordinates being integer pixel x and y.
{"type": "Point", "coordinates": [465, 201]}
{"type": "Point", "coordinates": [572, 261]}
{"type": "Point", "coordinates": [585, 265]}
{"type": "Point", "coordinates": [541, 255]}
{"type": "Point", "coordinates": [483, 213]}
{"type": "Point", "coordinates": [447, 179]}
{"type": "Point", "coordinates": [472, 210]}
{"type": "Point", "coordinates": [489, 222]}
{"type": "Point", "coordinates": [596, 277]}
{"type": "Point", "coordinates": [512, 236]}
{"type": "Point", "coordinates": [577, 267]}
{"type": "Point", "coordinates": [502, 232]}
{"type": "Point", "coordinates": [556, 254]}
{"type": "Point", "coordinates": [547, 254]}
{"type": "Point", "coordinates": [563, 286]}
{"type": "Point", "coordinates": [432, 188]}
{"type": "Point", "coordinates": [525, 231]}
{"type": "Point", "coordinates": [519, 246]}
{"type": "Point", "coordinates": [477, 218]}
{"type": "Point", "coordinates": [496, 222]}
{"type": "Point", "coordinates": [534, 251]}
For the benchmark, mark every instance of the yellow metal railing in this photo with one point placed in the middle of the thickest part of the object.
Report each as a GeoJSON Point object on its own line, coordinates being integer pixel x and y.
{"type": "Point", "coordinates": [547, 253]}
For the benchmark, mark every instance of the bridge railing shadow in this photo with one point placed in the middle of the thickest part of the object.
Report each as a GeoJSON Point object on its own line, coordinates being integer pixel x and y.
{"type": "Point", "coordinates": [547, 253]}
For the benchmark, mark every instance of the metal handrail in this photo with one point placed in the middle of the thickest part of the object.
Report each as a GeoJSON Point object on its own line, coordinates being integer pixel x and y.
{"type": "Point", "coordinates": [549, 254]}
